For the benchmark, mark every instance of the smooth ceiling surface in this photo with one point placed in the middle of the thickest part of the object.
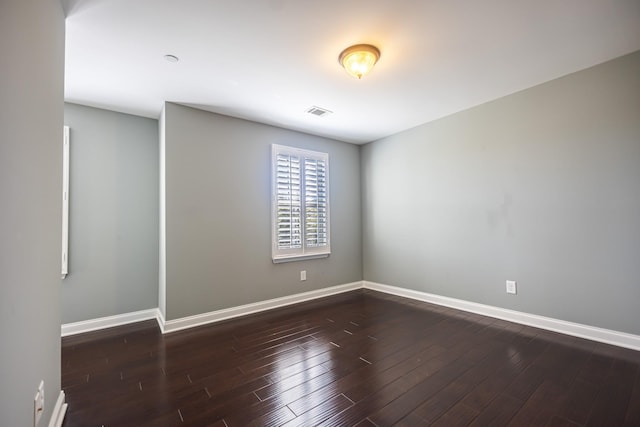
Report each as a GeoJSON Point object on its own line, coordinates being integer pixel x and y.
{"type": "Point", "coordinates": [269, 61]}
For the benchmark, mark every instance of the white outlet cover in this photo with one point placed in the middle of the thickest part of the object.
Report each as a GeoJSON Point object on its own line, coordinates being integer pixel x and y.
{"type": "Point", "coordinates": [511, 287]}
{"type": "Point", "coordinates": [303, 275]}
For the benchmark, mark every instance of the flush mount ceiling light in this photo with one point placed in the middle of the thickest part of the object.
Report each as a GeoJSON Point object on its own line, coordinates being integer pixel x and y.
{"type": "Point", "coordinates": [359, 59]}
{"type": "Point", "coordinates": [171, 58]}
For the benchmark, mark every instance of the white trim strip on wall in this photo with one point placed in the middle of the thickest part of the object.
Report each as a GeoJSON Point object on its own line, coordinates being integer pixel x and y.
{"type": "Point", "coordinates": [59, 411]}
{"type": "Point", "coordinates": [108, 322]}
{"type": "Point", "coordinates": [64, 267]}
{"type": "Point", "coordinates": [593, 333]}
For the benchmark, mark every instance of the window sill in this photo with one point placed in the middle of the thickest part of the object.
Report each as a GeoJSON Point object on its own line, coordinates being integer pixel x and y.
{"type": "Point", "coordinates": [299, 258]}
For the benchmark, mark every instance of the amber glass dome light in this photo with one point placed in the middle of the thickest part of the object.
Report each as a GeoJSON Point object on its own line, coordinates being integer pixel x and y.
{"type": "Point", "coordinates": [359, 59]}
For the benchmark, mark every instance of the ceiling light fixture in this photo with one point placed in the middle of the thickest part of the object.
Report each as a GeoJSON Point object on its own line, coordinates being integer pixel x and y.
{"type": "Point", "coordinates": [171, 58]}
{"type": "Point", "coordinates": [359, 59]}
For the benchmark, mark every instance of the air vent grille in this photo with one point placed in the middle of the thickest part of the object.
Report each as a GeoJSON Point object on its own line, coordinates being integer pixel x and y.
{"type": "Point", "coordinates": [318, 111]}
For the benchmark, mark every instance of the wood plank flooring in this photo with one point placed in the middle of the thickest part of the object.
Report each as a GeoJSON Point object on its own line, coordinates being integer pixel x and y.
{"type": "Point", "coordinates": [357, 359]}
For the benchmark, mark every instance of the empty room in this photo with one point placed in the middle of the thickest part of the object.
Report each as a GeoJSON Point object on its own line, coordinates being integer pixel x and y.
{"type": "Point", "coordinates": [290, 213]}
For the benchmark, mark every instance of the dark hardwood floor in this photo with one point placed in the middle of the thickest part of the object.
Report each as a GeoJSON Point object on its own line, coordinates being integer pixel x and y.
{"type": "Point", "coordinates": [355, 359]}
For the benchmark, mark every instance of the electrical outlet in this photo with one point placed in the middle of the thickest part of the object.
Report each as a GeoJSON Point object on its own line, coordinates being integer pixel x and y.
{"type": "Point", "coordinates": [303, 275]}
{"type": "Point", "coordinates": [511, 287]}
{"type": "Point", "coordinates": [38, 404]}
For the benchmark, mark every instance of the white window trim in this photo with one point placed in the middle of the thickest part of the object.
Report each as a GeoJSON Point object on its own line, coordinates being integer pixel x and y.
{"type": "Point", "coordinates": [304, 253]}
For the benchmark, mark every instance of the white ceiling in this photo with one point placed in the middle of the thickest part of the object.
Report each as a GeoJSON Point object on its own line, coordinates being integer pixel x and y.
{"type": "Point", "coordinates": [270, 60]}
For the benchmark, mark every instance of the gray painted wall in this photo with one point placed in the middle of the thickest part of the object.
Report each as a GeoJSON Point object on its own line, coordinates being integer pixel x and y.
{"type": "Point", "coordinates": [31, 99]}
{"type": "Point", "coordinates": [218, 214]}
{"type": "Point", "coordinates": [113, 214]}
{"type": "Point", "coordinates": [542, 187]}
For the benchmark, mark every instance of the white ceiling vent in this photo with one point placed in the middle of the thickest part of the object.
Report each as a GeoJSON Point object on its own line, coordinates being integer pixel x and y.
{"type": "Point", "coordinates": [317, 111]}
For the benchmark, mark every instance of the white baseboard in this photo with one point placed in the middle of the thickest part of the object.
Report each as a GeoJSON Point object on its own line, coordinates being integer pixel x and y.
{"type": "Point", "coordinates": [243, 310]}
{"type": "Point", "coordinates": [58, 411]}
{"type": "Point", "coordinates": [161, 320]}
{"type": "Point", "coordinates": [108, 322]}
{"type": "Point", "coordinates": [593, 333]}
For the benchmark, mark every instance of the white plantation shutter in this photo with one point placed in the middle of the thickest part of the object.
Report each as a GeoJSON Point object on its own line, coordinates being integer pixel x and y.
{"type": "Point", "coordinates": [289, 202]}
{"type": "Point", "coordinates": [300, 204]}
{"type": "Point", "coordinates": [315, 202]}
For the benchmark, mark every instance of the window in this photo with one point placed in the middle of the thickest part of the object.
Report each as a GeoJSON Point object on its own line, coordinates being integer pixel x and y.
{"type": "Point", "coordinates": [300, 204]}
